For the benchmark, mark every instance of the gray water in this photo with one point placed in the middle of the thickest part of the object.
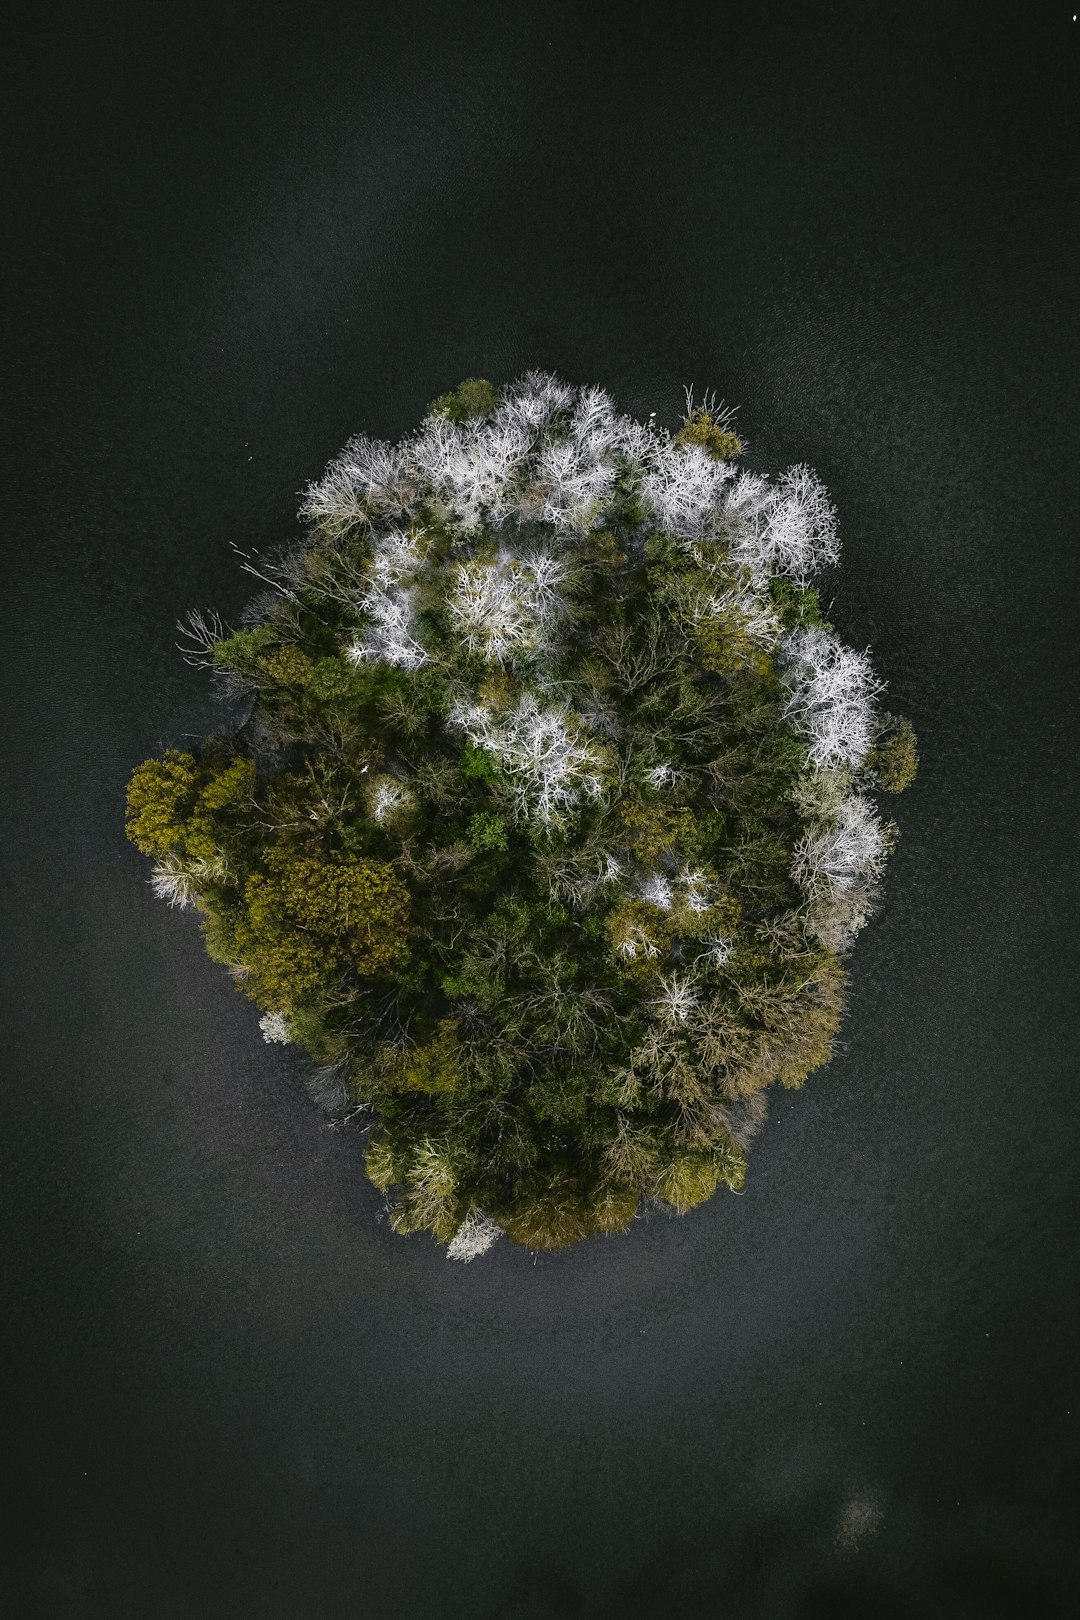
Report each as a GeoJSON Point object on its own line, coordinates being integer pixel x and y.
{"type": "Point", "coordinates": [232, 1391]}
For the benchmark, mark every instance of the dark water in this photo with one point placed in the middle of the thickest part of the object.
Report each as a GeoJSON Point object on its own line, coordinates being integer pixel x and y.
{"type": "Point", "coordinates": [237, 239]}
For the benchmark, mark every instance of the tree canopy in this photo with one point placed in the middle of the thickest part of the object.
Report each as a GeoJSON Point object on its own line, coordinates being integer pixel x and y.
{"type": "Point", "coordinates": [554, 817]}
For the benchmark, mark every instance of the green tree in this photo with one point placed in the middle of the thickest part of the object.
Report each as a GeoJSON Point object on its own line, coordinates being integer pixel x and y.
{"type": "Point", "coordinates": [472, 398]}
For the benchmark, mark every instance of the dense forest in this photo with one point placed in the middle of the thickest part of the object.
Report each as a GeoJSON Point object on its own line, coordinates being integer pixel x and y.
{"type": "Point", "coordinates": [554, 814]}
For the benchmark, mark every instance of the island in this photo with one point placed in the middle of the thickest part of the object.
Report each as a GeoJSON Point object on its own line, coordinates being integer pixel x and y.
{"type": "Point", "coordinates": [554, 809]}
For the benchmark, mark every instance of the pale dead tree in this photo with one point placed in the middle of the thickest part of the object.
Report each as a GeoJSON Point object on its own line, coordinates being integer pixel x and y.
{"type": "Point", "coordinates": [723, 415]}
{"type": "Point", "coordinates": [474, 1236]}
{"type": "Point", "coordinates": [838, 853]}
{"type": "Point", "coordinates": [389, 800]}
{"type": "Point", "coordinates": [275, 1027]}
{"type": "Point", "coordinates": [694, 890]}
{"type": "Point", "coordinates": [552, 764]}
{"type": "Point", "coordinates": [201, 632]}
{"type": "Point", "coordinates": [389, 638]}
{"type": "Point", "coordinates": [593, 424]}
{"type": "Point", "coordinates": [832, 690]}
{"type": "Point", "coordinates": [799, 535]}
{"type": "Point", "coordinates": [388, 599]}
{"type": "Point", "coordinates": [369, 478]}
{"type": "Point", "coordinates": [685, 487]}
{"type": "Point", "coordinates": [677, 999]}
{"type": "Point", "coordinates": [640, 445]}
{"type": "Point", "coordinates": [179, 881]}
{"type": "Point", "coordinates": [657, 890]}
{"type": "Point", "coordinates": [471, 467]}
{"type": "Point", "coordinates": [717, 950]}
{"type": "Point", "coordinates": [530, 404]}
{"type": "Point", "coordinates": [507, 608]}
{"type": "Point", "coordinates": [742, 520]}
{"type": "Point", "coordinates": [396, 558]}
{"type": "Point", "coordinates": [574, 486]}
{"type": "Point", "coordinates": [275, 571]}
{"type": "Point", "coordinates": [636, 945]}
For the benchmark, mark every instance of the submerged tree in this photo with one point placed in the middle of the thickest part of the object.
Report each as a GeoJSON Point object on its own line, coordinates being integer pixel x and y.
{"type": "Point", "coordinates": [553, 819]}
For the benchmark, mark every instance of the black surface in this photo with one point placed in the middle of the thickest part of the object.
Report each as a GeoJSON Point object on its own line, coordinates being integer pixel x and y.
{"type": "Point", "coordinates": [235, 239]}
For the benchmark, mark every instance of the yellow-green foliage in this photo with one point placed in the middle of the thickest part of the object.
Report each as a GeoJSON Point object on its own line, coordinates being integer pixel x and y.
{"type": "Point", "coordinates": [895, 759]}
{"type": "Point", "coordinates": [171, 801]}
{"type": "Point", "coordinates": [640, 936]}
{"type": "Point", "coordinates": [727, 646]}
{"type": "Point", "coordinates": [474, 397]}
{"type": "Point", "coordinates": [307, 919]}
{"type": "Point", "coordinates": [289, 666]}
{"type": "Point", "coordinates": [651, 827]}
{"type": "Point", "coordinates": [244, 650]}
{"type": "Point", "coordinates": [380, 1163]}
{"type": "Point", "coordinates": [160, 796]}
{"type": "Point", "coordinates": [427, 1201]}
{"type": "Point", "coordinates": [702, 427]}
{"type": "Point", "coordinates": [433, 1066]}
{"type": "Point", "coordinates": [230, 786]}
{"type": "Point", "coordinates": [562, 1213]}
{"type": "Point", "coordinates": [692, 1178]}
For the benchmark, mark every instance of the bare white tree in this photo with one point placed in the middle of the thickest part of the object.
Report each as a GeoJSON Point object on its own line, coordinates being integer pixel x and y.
{"type": "Point", "coordinates": [474, 1237]}
{"type": "Point", "coordinates": [832, 690]}
{"type": "Point", "coordinates": [509, 607]}
{"type": "Point", "coordinates": [530, 404]}
{"type": "Point", "coordinates": [179, 881]}
{"type": "Point", "coordinates": [370, 478]}
{"type": "Point", "coordinates": [662, 776]}
{"type": "Point", "coordinates": [389, 602]}
{"type": "Point", "coordinates": [684, 488]}
{"type": "Point", "coordinates": [201, 632]}
{"type": "Point", "coordinates": [695, 891]}
{"type": "Point", "coordinates": [800, 532]}
{"type": "Point", "coordinates": [656, 890]}
{"type": "Point", "coordinates": [389, 639]}
{"type": "Point", "coordinates": [717, 950]}
{"type": "Point", "coordinates": [678, 998]}
{"type": "Point", "coordinates": [275, 1027]}
{"type": "Point", "coordinates": [471, 467]}
{"type": "Point", "coordinates": [573, 483]}
{"type": "Point", "coordinates": [388, 799]}
{"type": "Point", "coordinates": [837, 854]}
{"type": "Point", "coordinates": [635, 944]}
{"type": "Point", "coordinates": [544, 750]}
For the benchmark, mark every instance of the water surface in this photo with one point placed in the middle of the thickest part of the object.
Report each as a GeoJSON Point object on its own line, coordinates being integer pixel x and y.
{"type": "Point", "coordinates": [240, 239]}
